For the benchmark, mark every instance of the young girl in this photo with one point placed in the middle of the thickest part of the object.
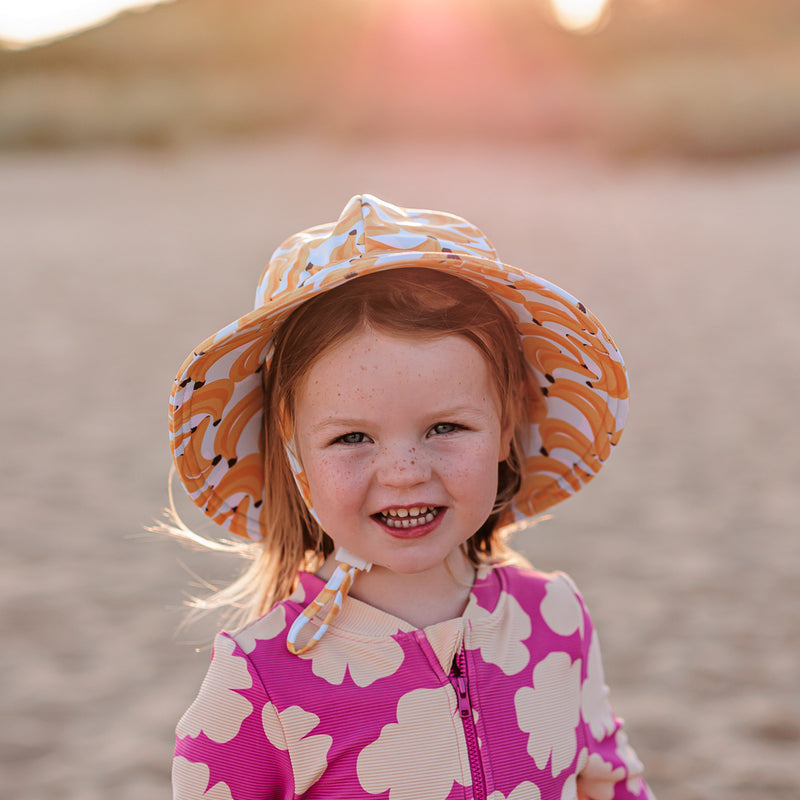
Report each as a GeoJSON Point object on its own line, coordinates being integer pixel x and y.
{"type": "Point", "coordinates": [396, 400]}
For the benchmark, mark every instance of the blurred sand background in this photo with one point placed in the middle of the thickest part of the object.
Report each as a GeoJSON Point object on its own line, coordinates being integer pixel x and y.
{"type": "Point", "coordinates": [149, 167]}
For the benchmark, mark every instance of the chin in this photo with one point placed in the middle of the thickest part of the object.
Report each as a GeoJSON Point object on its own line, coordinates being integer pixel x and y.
{"type": "Point", "coordinates": [419, 565]}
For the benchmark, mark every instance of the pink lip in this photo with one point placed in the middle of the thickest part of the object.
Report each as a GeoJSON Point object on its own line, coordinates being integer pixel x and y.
{"type": "Point", "coordinates": [418, 531]}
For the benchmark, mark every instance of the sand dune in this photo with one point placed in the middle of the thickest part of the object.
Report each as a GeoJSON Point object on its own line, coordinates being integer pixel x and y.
{"type": "Point", "coordinates": [115, 264]}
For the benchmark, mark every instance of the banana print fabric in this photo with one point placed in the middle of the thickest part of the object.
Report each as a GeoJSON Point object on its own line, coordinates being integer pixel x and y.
{"type": "Point", "coordinates": [507, 702]}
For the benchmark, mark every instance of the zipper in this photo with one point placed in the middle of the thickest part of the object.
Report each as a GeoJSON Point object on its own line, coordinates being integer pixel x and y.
{"type": "Point", "coordinates": [458, 677]}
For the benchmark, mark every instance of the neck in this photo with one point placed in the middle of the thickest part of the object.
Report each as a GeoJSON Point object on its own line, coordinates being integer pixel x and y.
{"type": "Point", "coordinates": [420, 599]}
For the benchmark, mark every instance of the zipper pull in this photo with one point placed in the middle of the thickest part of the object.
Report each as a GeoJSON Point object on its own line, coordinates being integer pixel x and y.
{"type": "Point", "coordinates": [462, 690]}
{"type": "Point", "coordinates": [458, 678]}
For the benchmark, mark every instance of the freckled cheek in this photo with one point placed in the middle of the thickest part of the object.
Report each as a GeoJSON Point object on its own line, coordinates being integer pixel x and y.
{"type": "Point", "coordinates": [334, 480]}
{"type": "Point", "coordinates": [474, 464]}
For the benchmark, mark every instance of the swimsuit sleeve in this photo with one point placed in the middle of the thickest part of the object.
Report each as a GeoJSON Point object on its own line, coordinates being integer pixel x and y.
{"type": "Point", "coordinates": [611, 769]}
{"type": "Point", "coordinates": [229, 744]}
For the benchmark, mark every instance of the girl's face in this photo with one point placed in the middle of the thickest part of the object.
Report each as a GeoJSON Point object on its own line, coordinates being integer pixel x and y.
{"type": "Point", "coordinates": [400, 439]}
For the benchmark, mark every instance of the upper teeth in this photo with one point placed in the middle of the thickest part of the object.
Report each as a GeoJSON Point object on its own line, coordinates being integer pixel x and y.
{"type": "Point", "coordinates": [415, 511]}
{"type": "Point", "coordinates": [409, 517]}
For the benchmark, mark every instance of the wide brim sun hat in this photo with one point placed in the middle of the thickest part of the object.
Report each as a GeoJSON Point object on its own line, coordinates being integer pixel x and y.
{"type": "Point", "coordinates": [217, 401]}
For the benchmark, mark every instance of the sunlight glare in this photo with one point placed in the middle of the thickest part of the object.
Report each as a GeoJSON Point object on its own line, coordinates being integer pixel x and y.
{"type": "Point", "coordinates": [578, 15]}
{"type": "Point", "coordinates": [32, 21]}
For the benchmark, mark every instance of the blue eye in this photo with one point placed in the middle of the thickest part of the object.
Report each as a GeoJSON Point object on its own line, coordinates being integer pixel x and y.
{"type": "Point", "coordinates": [441, 428]}
{"type": "Point", "coordinates": [353, 438]}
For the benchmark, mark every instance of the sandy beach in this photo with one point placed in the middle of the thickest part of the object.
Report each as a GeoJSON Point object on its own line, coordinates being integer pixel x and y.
{"type": "Point", "coordinates": [686, 548]}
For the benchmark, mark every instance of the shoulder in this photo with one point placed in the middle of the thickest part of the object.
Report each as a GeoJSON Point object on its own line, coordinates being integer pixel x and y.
{"type": "Point", "coordinates": [271, 628]}
{"type": "Point", "coordinates": [551, 597]}
{"type": "Point", "coordinates": [219, 708]}
{"type": "Point", "coordinates": [527, 583]}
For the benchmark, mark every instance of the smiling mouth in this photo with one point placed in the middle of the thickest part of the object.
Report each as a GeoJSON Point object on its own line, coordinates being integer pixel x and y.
{"type": "Point", "coordinates": [404, 518]}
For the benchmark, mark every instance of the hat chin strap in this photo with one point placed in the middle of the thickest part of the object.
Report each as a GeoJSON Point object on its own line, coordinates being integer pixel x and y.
{"type": "Point", "coordinates": [331, 597]}
{"type": "Point", "coordinates": [335, 590]}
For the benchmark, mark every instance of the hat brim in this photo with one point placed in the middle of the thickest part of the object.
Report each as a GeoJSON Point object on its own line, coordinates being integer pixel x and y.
{"type": "Point", "coordinates": [217, 402]}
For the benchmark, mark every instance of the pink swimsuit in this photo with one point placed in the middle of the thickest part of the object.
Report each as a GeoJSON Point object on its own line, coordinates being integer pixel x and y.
{"type": "Point", "coordinates": [507, 702]}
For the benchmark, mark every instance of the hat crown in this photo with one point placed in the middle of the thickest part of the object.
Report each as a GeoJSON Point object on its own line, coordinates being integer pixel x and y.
{"type": "Point", "coordinates": [368, 226]}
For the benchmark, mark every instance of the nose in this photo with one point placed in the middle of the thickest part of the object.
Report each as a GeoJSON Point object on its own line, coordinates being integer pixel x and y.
{"type": "Point", "coordinates": [402, 466]}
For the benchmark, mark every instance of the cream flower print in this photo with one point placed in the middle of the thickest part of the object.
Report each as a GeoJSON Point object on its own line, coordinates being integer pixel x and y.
{"type": "Point", "coordinates": [595, 707]}
{"type": "Point", "coordinates": [419, 744]}
{"type": "Point", "coordinates": [289, 731]}
{"type": "Point", "coordinates": [598, 778]}
{"type": "Point", "coordinates": [569, 791]}
{"type": "Point", "coordinates": [514, 627]}
{"type": "Point", "coordinates": [268, 627]}
{"type": "Point", "coordinates": [219, 710]}
{"type": "Point", "coordinates": [191, 782]}
{"type": "Point", "coordinates": [525, 791]}
{"type": "Point", "coordinates": [556, 684]}
{"type": "Point", "coordinates": [366, 662]}
{"type": "Point", "coordinates": [560, 607]}
{"type": "Point", "coordinates": [298, 595]}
